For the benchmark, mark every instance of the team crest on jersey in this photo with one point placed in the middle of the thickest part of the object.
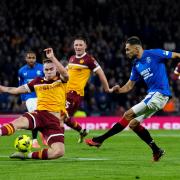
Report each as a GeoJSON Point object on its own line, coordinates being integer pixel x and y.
{"type": "Point", "coordinates": [81, 61]}
{"type": "Point", "coordinates": [148, 59]}
{"type": "Point", "coordinates": [25, 74]}
{"type": "Point", "coordinates": [38, 72]}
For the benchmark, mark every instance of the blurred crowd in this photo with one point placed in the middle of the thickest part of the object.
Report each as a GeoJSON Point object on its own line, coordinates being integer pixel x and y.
{"type": "Point", "coordinates": [106, 24]}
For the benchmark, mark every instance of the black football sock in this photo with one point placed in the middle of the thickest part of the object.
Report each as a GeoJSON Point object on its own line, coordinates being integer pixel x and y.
{"type": "Point", "coordinates": [146, 137]}
{"type": "Point", "coordinates": [118, 127]}
{"type": "Point", "coordinates": [34, 134]}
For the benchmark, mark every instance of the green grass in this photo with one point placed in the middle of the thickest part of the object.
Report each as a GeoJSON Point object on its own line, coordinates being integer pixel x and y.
{"type": "Point", "coordinates": [123, 156]}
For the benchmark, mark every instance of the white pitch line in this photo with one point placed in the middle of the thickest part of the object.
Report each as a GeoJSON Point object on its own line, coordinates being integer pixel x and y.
{"type": "Point", "coordinates": [4, 156]}
{"type": "Point", "coordinates": [79, 159]}
{"type": "Point", "coordinates": [89, 159]}
{"type": "Point", "coordinates": [154, 135]}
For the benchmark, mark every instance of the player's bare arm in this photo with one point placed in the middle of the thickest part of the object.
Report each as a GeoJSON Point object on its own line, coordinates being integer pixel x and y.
{"type": "Point", "coordinates": [62, 70]}
{"type": "Point", "coordinates": [13, 90]}
{"type": "Point", "coordinates": [175, 55]}
{"type": "Point", "coordinates": [124, 89]}
{"type": "Point", "coordinates": [103, 80]}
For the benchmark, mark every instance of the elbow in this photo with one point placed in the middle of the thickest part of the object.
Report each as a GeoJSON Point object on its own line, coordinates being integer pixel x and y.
{"type": "Point", "coordinates": [65, 77]}
{"type": "Point", "coordinates": [106, 90]}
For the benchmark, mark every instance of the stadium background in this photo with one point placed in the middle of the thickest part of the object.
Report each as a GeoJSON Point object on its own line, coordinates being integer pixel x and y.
{"type": "Point", "coordinates": [106, 24]}
{"type": "Point", "coordinates": [37, 24]}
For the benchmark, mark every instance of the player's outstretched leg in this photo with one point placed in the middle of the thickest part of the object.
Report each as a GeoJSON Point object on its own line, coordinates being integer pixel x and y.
{"type": "Point", "coordinates": [7, 130]}
{"type": "Point", "coordinates": [10, 128]}
{"type": "Point", "coordinates": [118, 127]}
{"type": "Point", "coordinates": [55, 151]}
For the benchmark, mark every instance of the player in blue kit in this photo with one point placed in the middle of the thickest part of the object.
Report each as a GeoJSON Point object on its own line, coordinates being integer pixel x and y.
{"type": "Point", "coordinates": [148, 65]}
{"type": "Point", "coordinates": [26, 74]}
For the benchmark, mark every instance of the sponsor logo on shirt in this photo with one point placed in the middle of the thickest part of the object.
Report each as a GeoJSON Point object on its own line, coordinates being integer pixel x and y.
{"type": "Point", "coordinates": [148, 59]}
{"type": "Point", "coordinates": [146, 73]}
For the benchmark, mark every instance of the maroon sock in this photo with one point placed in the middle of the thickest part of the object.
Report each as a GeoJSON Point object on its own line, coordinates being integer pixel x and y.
{"type": "Point", "coordinates": [7, 130]}
{"type": "Point", "coordinates": [73, 124]}
{"type": "Point", "coordinates": [40, 154]}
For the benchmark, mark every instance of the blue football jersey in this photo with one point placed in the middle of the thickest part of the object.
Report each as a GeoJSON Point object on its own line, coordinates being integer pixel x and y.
{"type": "Point", "coordinates": [152, 69]}
{"type": "Point", "coordinates": [27, 74]}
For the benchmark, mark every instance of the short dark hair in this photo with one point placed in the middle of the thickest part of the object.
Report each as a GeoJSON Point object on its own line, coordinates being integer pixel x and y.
{"type": "Point", "coordinates": [46, 61]}
{"type": "Point", "coordinates": [29, 52]}
{"type": "Point", "coordinates": [80, 38]}
{"type": "Point", "coordinates": [134, 40]}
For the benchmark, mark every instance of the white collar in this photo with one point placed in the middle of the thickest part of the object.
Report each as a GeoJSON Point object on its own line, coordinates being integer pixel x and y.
{"type": "Point", "coordinates": [81, 55]}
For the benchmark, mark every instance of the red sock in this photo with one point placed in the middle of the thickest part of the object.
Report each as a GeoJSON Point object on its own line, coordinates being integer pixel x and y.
{"type": "Point", "coordinates": [7, 130]}
{"type": "Point", "coordinates": [73, 124]}
{"type": "Point", "coordinates": [40, 154]}
{"type": "Point", "coordinates": [123, 122]}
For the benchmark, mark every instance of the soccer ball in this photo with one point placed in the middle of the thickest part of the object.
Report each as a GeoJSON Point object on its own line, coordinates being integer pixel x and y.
{"type": "Point", "coordinates": [23, 143]}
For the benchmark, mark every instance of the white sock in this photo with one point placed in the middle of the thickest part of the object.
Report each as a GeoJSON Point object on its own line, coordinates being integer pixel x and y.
{"type": "Point", "coordinates": [35, 140]}
{"type": "Point", "coordinates": [29, 155]}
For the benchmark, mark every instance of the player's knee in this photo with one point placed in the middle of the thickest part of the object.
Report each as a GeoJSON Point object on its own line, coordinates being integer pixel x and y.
{"type": "Point", "coordinates": [20, 123]}
{"type": "Point", "coordinates": [58, 153]}
{"type": "Point", "coordinates": [133, 124]}
{"type": "Point", "coordinates": [127, 115]}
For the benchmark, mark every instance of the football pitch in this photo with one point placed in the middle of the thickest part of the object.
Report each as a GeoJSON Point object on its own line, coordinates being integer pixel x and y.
{"type": "Point", "coordinates": [123, 156]}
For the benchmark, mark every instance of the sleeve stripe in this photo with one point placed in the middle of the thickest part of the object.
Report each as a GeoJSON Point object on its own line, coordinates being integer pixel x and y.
{"type": "Point", "coordinates": [27, 88]}
{"type": "Point", "coordinates": [95, 69]}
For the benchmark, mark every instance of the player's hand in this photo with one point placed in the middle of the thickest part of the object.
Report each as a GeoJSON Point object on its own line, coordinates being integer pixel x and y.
{"type": "Point", "coordinates": [1, 89]}
{"type": "Point", "coordinates": [116, 88]}
{"type": "Point", "coordinates": [49, 53]}
{"type": "Point", "coordinates": [110, 90]}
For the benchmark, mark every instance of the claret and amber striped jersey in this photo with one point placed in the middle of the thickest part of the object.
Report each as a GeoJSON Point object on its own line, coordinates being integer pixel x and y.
{"type": "Point", "coordinates": [79, 70]}
{"type": "Point", "coordinates": [51, 95]}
